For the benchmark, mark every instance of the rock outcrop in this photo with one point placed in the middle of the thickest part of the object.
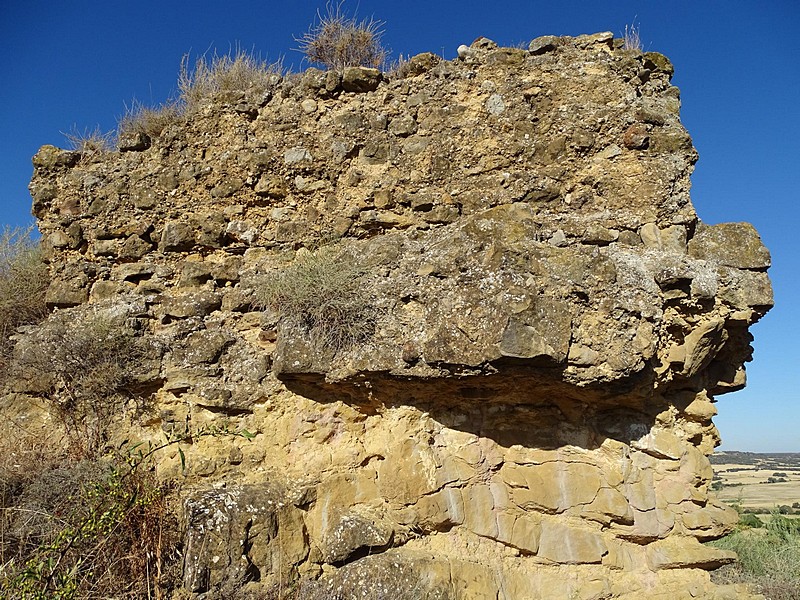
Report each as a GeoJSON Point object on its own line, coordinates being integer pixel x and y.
{"type": "Point", "coordinates": [536, 324]}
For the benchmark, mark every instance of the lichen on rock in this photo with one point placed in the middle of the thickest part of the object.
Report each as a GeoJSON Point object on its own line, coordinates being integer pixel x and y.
{"type": "Point", "coordinates": [528, 411]}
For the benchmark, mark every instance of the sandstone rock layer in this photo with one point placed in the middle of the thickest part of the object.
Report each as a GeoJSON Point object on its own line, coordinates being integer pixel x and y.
{"type": "Point", "coordinates": [524, 410]}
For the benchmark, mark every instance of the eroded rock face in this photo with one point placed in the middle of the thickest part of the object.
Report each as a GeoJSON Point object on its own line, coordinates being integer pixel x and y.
{"type": "Point", "coordinates": [530, 415]}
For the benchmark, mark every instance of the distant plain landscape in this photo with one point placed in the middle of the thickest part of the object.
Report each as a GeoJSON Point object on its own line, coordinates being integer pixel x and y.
{"type": "Point", "coordinates": [758, 483]}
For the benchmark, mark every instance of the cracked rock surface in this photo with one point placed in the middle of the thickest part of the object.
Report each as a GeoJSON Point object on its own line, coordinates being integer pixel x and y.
{"type": "Point", "coordinates": [526, 410]}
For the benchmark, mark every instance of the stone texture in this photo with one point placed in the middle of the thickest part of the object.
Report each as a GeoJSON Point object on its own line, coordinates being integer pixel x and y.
{"type": "Point", "coordinates": [529, 411]}
{"type": "Point", "coordinates": [731, 244]}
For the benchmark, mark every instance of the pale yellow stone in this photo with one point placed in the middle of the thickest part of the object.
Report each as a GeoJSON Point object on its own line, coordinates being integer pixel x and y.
{"type": "Point", "coordinates": [673, 490]}
{"type": "Point", "coordinates": [681, 552]}
{"type": "Point", "coordinates": [526, 532]}
{"type": "Point", "coordinates": [697, 519]}
{"type": "Point", "coordinates": [454, 469]}
{"type": "Point", "coordinates": [563, 543]}
{"type": "Point", "coordinates": [479, 515]}
{"type": "Point", "coordinates": [701, 409]}
{"type": "Point", "coordinates": [552, 486]}
{"type": "Point", "coordinates": [641, 494]}
{"type": "Point", "coordinates": [661, 443]}
{"type": "Point", "coordinates": [625, 555]}
{"type": "Point", "coordinates": [408, 472]}
{"type": "Point", "coordinates": [610, 502]}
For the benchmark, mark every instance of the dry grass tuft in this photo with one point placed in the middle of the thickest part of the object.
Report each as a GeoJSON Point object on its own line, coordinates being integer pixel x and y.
{"type": "Point", "coordinates": [150, 121]}
{"type": "Point", "coordinates": [337, 41]}
{"type": "Point", "coordinates": [237, 72]}
{"type": "Point", "coordinates": [90, 142]}
{"type": "Point", "coordinates": [631, 40]}
{"type": "Point", "coordinates": [23, 282]}
{"type": "Point", "coordinates": [326, 294]}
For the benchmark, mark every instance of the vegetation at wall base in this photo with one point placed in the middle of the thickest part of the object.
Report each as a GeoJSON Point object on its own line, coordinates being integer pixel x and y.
{"type": "Point", "coordinates": [769, 556]}
{"type": "Point", "coordinates": [81, 529]}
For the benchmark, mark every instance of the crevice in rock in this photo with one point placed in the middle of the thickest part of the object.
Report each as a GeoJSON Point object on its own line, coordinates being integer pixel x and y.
{"type": "Point", "coordinates": [366, 551]}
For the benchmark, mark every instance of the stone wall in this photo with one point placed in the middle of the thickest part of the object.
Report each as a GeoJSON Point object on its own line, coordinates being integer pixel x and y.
{"type": "Point", "coordinates": [528, 412]}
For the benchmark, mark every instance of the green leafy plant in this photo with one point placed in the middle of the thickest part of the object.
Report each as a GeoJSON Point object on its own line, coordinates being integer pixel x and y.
{"type": "Point", "coordinates": [75, 528]}
{"type": "Point", "coordinates": [336, 41]}
{"type": "Point", "coordinates": [91, 530]}
{"type": "Point", "coordinates": [326, 294]}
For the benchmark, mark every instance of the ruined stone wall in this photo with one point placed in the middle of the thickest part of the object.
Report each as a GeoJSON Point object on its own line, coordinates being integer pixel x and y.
{"type": "Point", "coordinates": [529, 412]}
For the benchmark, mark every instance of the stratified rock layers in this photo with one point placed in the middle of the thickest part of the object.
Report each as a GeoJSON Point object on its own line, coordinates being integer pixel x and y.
{"type": "Point", "coordinates": [529, 416]}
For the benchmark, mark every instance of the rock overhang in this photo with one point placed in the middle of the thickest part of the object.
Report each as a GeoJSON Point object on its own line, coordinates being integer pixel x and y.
{"type": "Point", "coordinates": [552, 321]}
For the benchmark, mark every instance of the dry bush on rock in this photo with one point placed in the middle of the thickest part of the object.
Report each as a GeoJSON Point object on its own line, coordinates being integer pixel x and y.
{"type": "Point", "coordinates": [236, 72]}
{"type": "Point", "coordinates": [23, 282]}
{"type": "Point", "coordinates": [631, 40]}
{"type": "Point", "coordinates": [326, 294]}
{"type": "Point", "coordinates": [86, 369]}
{"type": "Point", "coordinates": [90, 142]}
{"type": "Point", "coordinates": [337, 41]}
{"type": "Point", "coordinates": [150, 121]}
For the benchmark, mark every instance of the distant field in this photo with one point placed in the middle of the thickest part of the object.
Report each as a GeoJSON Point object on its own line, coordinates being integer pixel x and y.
{"type": "Point", "coordinates": [758, 481]}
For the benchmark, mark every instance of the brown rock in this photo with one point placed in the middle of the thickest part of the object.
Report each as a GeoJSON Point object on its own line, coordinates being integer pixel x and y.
{"type": "Point", "coordinates": [524, 408]}
{"type": "Point", "coordinates": [730, 244]}
{"type": "Point", "coordinates": [360, 79]}
{"type": "Point", "coordinates": [636, 137]}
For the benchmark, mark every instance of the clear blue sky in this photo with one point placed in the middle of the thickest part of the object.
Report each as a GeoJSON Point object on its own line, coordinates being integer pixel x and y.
{"type": "Point", "coordinates": [66, 65]}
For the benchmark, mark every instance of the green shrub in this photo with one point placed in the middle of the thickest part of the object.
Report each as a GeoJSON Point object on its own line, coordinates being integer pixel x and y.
{"type": "Point", "coordinates": [750, 520]}
{"type": "Point", "coordinates": [90, 530]}
{"type": "Point", "coordinates": [769, 558]}
{"type": "Point", "coordinates": [324, 293]}
{"type": "Point", "coordinates": [23, 283]}
{"type": "Point", "coordinates": [236, 72]}
{"type": "Point", "coordinates": [336, 41]}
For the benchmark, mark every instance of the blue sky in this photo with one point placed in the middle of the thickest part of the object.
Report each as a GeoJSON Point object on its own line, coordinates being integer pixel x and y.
{"type": "Point", "coordinates": [75, 65]}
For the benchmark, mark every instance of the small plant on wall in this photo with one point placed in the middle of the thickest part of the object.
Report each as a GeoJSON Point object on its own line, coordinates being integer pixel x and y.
{"type": "Point", "coordinates": [326, 294]}
{"type": "Point", "coordinates": [336, 41]}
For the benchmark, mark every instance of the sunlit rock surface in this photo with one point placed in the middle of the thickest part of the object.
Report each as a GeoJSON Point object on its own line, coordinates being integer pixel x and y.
{"type": "Point", "coordinates": [528, 414]}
